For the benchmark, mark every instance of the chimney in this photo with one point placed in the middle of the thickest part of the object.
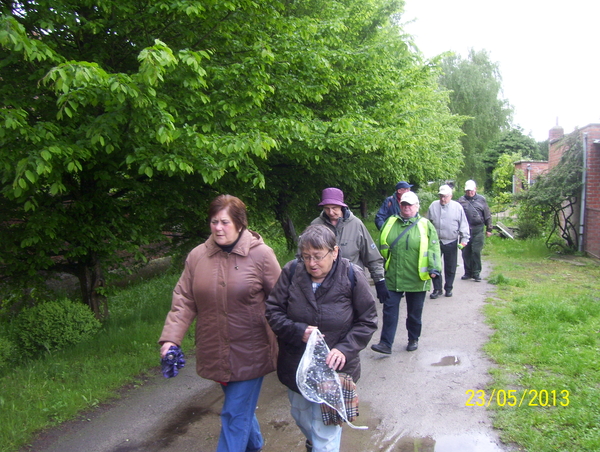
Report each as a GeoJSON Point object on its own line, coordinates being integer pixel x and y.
{"type": "Point", "coordinates": [556, 133]}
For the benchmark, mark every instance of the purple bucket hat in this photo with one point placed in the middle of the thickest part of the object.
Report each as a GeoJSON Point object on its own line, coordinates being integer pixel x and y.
{"type": "Point", "coordinates": [333, 196]}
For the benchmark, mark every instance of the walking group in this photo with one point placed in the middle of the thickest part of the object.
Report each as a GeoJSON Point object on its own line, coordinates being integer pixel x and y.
{"type": "Point", "coordinates": [252, 317]}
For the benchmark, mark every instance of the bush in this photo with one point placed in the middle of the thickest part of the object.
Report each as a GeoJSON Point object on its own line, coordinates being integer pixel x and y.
{"type": "Point", "coordinates": [7, 348]}
{"type": "Point", "coordinates": [53, 326]}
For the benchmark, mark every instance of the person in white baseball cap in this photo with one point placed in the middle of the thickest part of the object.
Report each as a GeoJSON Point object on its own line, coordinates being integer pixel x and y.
{"type": "Point", "coordinates": [480, 224]}
{"type": "Point", "coordinates": [410, 245]}
{"type": "Point", "coordinates": [452, 227]}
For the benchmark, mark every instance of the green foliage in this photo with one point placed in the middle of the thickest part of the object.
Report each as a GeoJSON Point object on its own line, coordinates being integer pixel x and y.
{"type": "Point", "coordinates": [531, 221]}
{"type": "Point", "coordinates": [55, 387]}
{"type": "Point", "coordinates": [502, 181]}
{"type": "Point", "coordinates": [8, 352]}
{"type": "Point", "coordinates": [53, 326]}
{"type": "Point", "coordinates": [115, 130]}
{"type": "Point", "coordinates": [476, 86]}
{"type": "Point", "coordinates": [512, 142]}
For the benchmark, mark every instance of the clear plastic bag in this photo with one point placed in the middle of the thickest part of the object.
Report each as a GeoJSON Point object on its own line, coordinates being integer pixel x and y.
{"type": "Point", "coordinates": [317, 381]}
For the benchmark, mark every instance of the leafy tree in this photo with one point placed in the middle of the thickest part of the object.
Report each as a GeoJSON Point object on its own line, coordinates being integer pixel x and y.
{"type": "Point", "coordinates": [502, 178]}
{"type": "Point", "coordinates": [512, 141]}
{"type": "Point", "coordinates": [381, 115]}
{"type": "Point", "coordinates": [104, 106]}
{"type": "Point", "coordinates": [476, 89]}
{"type": "Point", "coordinates": [121, 120]}
{"type": "Point", "coordinates": [544, 147]}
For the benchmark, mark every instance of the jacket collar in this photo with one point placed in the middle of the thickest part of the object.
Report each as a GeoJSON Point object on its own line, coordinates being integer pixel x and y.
{"type": "Point", "coordinates": [248, 239]}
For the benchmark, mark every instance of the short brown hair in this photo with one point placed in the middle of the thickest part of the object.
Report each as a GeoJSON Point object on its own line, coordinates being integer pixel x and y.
{"type": "Point", "coordinates": [234, 206]}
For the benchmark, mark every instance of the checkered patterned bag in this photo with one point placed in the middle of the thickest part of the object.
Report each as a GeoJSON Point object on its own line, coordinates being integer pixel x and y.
{"type": "Point", "coordinates": [330, 415]}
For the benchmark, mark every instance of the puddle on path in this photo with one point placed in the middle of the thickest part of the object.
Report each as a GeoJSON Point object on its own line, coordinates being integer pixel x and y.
{"type": "Point", "coordinates": [450, 443]}
{"type": "Point", "coordinates": [448, 361]}
{"type": "Point", "coordinates": [375, 440]}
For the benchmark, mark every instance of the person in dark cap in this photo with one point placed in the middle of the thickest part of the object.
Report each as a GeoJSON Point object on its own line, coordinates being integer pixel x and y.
{"type": "Point", "coordinates": [353, 238]}
{"type": "Point", "coordinates": [391, 205]}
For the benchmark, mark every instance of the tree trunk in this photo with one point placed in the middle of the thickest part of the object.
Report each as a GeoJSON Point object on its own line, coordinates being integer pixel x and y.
{"type": "Point", "coordinates": [287, 225]}
{"type": "Point", "coordinates": [363, 209]}
{"type": "Point", "coordinates": [91, 282]}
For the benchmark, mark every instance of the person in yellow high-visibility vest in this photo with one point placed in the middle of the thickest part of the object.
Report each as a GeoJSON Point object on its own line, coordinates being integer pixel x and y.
{"type": "Point", "coordinates": [410, 245]}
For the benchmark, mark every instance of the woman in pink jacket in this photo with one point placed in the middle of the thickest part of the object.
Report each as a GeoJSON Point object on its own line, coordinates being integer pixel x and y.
{"type": "Point", "coordinates": [223, 287]}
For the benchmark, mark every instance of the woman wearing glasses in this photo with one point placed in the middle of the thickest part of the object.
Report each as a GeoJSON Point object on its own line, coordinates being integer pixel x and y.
{"type": "Point", "coordinates": [316, 292]}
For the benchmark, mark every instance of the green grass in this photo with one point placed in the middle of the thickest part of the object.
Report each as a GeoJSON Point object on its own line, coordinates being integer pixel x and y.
{"type": "Point", "coordinates": [44, 392]}
{"type": "Point", "coordinates": [546, 317]}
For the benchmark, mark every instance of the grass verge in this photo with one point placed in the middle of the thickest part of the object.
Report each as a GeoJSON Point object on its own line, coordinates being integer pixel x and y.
{"type": "Point", "coordinates": [47, 391]}
{"type": "Point", "coordinates": [546, 317]}
{"type": "Point", "coordinates": [42, 393]}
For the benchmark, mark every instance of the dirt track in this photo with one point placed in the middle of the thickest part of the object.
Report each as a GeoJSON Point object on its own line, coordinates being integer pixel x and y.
{"type": "Point", "coordinates": [411, 401]}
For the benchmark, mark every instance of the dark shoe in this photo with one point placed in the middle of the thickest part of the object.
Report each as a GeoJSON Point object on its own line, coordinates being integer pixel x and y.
{"type": "Point", "coordinates": [477, 278]}
{"type": "Point", "coordinates": [448, 293]}
{"type": "Point", "coordinates": [308, 446]}
{"type": "Point", "coordinates": [435, 294]}
{"type": "Point", "coordinates": [465, 276]}
{"type": "Point", "coordinates": [381, 348]}
{"type": "Point", "coordinates": [412, 345]}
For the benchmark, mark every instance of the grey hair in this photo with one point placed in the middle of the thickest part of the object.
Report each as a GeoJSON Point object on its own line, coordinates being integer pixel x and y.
{"type": "Point", "coordinates": [317, 236]}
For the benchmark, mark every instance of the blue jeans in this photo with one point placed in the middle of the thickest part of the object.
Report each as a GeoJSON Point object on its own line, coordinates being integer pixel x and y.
{"type": "Point", "coordinates": [307, 414]}
{"type": "Point", "coordinates": [240, 431]}
{"type": "Point", "coordinates": [391, 311]}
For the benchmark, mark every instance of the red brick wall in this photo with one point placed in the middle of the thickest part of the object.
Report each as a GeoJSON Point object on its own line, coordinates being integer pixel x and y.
{"type": "Point", "coordinates": [591, 240]}
{"type": "Point", "coordinates": [536, 168]}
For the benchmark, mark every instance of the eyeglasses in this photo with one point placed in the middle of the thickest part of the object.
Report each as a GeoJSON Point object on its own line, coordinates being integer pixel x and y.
{"type": "Point", "coordinates": [405, 204]}
{"type": "Point", "coordinates": [308, 258]}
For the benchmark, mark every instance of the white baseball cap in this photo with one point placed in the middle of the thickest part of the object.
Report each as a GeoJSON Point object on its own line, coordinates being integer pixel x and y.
{"type": "Point", "coordinates": [470, 185]}
{"type": "Point", "coordinates": [409, 197]}
{"type": "Point", "coordinates": [445, 190]}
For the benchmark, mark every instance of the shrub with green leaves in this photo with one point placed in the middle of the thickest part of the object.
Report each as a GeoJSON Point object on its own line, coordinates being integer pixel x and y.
{"type": "Point", "coordinates": [53, 326]}
{"type": "Point", "coordinates": [7, 348]}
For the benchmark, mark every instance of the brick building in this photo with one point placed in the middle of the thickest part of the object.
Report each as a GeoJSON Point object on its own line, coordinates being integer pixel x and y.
{"type": "Point", "coordinates": [588, 215]}
{"type": "Point", "coordinates": [526, 172]}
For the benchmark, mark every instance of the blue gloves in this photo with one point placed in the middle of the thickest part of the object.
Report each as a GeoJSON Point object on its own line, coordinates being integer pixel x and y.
{"type": "Point", "coordinates": [382, 291]}
{"type": "Point", "coordinates": [172, 362]}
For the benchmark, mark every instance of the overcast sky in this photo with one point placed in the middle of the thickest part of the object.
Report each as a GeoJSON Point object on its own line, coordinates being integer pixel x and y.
{"type": "Point", "coordinates": [548, 52]}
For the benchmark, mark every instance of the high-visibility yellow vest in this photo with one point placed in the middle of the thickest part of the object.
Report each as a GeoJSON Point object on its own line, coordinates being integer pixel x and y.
{"type": "Point", "coordinates": [384, 247]}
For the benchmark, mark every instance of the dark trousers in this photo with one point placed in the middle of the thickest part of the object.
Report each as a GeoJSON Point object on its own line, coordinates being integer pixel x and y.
{"type": "Point", "coordinates": [450, 255]}
{"type": "Point", "coordinates": [472, 252]}
{"type": "Point", "coordinates": [391, 311]}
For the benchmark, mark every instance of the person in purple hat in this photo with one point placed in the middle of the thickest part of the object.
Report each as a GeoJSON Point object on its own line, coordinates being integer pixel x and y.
{"type": "Point", "coordinates": [391, 205]}
{"type": "Point", "coordinates": [353, 238]}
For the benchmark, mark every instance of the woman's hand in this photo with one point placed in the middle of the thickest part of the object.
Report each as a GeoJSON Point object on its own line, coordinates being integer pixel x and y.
{"type": "Point", "coordinates": [164, 348]}
{"type": "Point", "coordinates": [307, 332]}
{"type": "Point", "coordinates": [336, 360]}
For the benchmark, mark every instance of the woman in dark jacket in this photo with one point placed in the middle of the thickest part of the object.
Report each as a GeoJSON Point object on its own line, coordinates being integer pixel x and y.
{"type": "Point", "coordinates": [320, 294]}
